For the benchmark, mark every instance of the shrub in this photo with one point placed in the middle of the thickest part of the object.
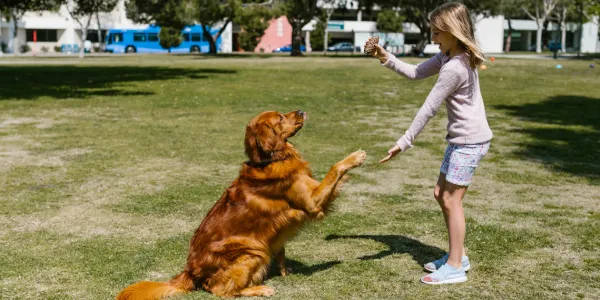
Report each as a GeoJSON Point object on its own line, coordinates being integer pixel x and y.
{"type": "Point", "coordinates": [25, 48]}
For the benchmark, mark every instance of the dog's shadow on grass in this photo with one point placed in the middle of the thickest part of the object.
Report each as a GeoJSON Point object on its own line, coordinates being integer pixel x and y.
{"type": "Point", "coordinates": [397, 244]}
{"type": "Point", "coordinates": [300, 268]}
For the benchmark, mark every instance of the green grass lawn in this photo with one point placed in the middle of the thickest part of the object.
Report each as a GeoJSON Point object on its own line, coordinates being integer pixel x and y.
{"type": "Point", "coordinates": [107, 166]}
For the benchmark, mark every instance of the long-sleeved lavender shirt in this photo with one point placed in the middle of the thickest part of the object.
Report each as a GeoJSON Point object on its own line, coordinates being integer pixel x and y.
{"type": "Point", "coordinates": [458, 85]}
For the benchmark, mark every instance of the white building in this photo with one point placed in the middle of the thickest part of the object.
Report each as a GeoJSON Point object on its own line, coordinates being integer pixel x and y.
{"type": "Point", "coordinates": [57, 31]}
{"type": "Point", "coordinates": [491, 32]}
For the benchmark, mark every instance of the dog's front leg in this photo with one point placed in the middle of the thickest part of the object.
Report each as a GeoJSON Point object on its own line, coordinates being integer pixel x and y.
{"type": "Point", "coordinates": [322, 194]}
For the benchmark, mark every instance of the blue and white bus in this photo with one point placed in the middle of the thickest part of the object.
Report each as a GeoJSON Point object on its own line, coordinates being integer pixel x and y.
{"type": "Point", "coordinates": [146, 40]}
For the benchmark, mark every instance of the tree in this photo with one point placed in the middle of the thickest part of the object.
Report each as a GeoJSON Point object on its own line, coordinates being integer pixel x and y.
{"type": "Point", "coordinates": [169, 37]}
{"type": "Point", "coordinates": [328, 7]}
{"type": "Point", "coordinates": [253, 20]}
{"type": "Point", "coordinates": [213, 13]}
{"type": "Point", "coordinates": [417, 12]}
{"type": "Point", "coordinates": [389, 21]}
{"type": "Point", "coordinates": [170, 13]}
{"type": "Point", "coordinates": [15, 9]}
{"type": "Point", "coordinates": [82, 11]}
{"type": "Point", "coordinates": [538, 11]}
{"type": "Point", "coordinates": [481, 9]}
{"type": "Point", "coordinates": [559, 15]}
{"type": "Point", "coordinates": [299, 13]}
{"type": "Point", "coordinates": [510, 9]}
{"type": "Point", "coordinates": [317, 40]}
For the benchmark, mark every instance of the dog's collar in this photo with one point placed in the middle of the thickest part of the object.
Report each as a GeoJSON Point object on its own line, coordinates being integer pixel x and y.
{"type": "Point", "coordinates": [263, 163]}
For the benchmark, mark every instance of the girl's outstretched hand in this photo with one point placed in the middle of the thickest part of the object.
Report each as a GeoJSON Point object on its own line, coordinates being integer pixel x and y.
{"type": "Point", "coordinates": [391, 153]}
{"type": "Point", "coordinates": [373, 48]}
{"type": "Point", "coordinates": [380, 53]}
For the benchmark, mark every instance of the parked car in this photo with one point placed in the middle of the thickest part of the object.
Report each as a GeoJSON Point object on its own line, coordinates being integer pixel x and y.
{"type": "Point", "coordinates": [341, 47]}
{"type": "Point", "coordinates": [555, 46]}
{"type": "Point", "coordinates": [552, 46]}
{"type": "Point", "coordinates": [288, 48]}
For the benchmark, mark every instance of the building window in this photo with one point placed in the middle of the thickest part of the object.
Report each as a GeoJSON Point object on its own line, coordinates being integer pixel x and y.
{"type": "Point", "coordinates": [279, 27]}
{"type": "Point", "coordinates": [43, 35]}
{"type": "Point", "coordinates": [139, 37]}
{"type": "Point", "coordinates": [92, 36]}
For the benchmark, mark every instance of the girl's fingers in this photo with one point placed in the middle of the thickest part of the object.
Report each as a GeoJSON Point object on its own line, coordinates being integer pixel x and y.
{"type": "Point", "coordinates": [385, 159]}
{"type": "Point", "coordinates": [391, 153]}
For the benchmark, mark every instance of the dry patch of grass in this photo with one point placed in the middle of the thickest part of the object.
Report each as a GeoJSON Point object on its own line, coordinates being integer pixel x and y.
{"type": "Point", "coordinates": [105, 178]}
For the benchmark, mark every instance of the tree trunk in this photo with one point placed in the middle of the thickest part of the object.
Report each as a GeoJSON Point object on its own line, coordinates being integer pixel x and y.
{"type": "Point", "coordinates": [209, 38]}
{"type": "Point", "coordinates": [325, 38]}
{"type": "Point", "coordinates": [424, 34]}
{"type": "Point", "coordinates": [100, 40]}
{"type": "Point", "coordinates": [509, 37]}
{"type": "Point", "coordinates": [424, 38]}
{"type": "Point", "coordinates": [563, 36]}
{"type": "Point", "coordinates": [546, 36]}
{"type": "Point", "coordinates": [83, 37]}
{"type": "Point", "coordinates": [538, 38]}
{"type": "Point", "coordinates": [84, 30]}
{"type": "Point", "coordinates": [221, 31]}
{"type": "Point", "coordinates": [16, 48]}
{"type": "Point", "coordinates": [296, 38]}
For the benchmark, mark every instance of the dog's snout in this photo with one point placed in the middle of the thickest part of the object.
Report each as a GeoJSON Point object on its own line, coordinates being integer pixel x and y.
{"type": "Point", "coordinates": [302, 114]}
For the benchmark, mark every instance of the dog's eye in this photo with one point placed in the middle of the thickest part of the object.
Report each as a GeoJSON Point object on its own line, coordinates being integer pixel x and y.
{"type": "Point", "coordinates": [280, 118]}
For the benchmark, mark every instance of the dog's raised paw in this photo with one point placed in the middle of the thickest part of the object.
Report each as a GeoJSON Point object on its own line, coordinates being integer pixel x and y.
{"type": "Point", "coordinates": [357, 158]}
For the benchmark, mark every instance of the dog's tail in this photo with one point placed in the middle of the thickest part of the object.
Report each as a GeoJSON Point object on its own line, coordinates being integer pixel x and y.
{"type": "Point", "coordinates": [148, 290]}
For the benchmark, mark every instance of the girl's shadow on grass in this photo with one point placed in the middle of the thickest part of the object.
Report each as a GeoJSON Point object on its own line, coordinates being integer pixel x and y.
{"type": "Point", "coordinates": [420, 252]}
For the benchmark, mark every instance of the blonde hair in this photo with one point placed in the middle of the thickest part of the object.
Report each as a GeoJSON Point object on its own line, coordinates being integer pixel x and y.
{"type": "Point", "coordinates": [454, 18]}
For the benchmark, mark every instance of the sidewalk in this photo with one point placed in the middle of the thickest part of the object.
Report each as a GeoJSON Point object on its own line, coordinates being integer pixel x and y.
{"type": "Point", "coordinates": [541, 55]}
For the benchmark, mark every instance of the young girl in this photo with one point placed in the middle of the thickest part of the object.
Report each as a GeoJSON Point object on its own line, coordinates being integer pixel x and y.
{"type": "Point", "coordinates": [469, 134]}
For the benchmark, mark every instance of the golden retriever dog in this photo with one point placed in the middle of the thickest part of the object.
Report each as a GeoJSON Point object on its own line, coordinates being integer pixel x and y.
{"type": "Point", "coordinates": [274, 195]}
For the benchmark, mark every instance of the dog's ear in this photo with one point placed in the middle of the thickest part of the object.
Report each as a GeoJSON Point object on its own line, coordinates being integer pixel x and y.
{"type": "Point", "coordinates": [267, 139]}
{"type": "Point", "coordinates": [261, 139]}
{"type": "Point", "coordinates": [251, 144]}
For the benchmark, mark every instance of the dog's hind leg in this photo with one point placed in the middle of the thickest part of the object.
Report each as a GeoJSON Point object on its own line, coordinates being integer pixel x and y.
{"type": "Point", "coordinates": [257, 291]}
{"type": "Point", "coordinates": [247, 271]}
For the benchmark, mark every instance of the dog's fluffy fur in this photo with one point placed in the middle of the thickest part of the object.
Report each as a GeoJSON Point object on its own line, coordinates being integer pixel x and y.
{"type": "Point", "coordinates": [264, 207]}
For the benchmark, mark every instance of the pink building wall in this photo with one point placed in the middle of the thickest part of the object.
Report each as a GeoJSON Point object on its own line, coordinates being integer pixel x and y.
{"type": "Point", "coordinates": [278, 34]}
